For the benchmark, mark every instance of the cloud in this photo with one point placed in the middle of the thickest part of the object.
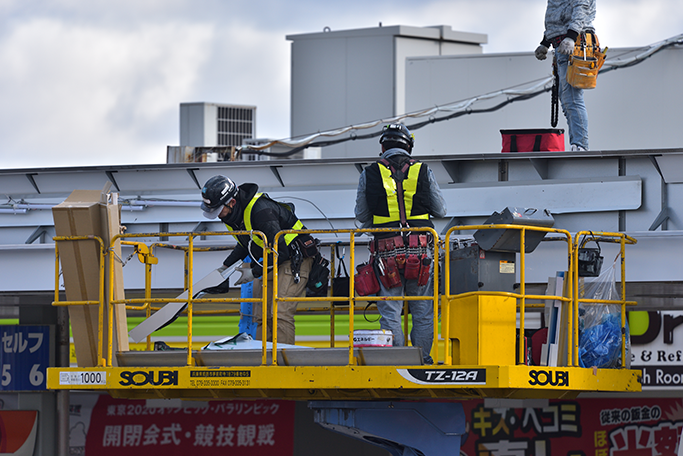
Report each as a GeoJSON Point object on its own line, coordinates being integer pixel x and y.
{"type": "Point", "coordinates": [87, 82]}
{"type": "Point", "coordinates": [90, 90]}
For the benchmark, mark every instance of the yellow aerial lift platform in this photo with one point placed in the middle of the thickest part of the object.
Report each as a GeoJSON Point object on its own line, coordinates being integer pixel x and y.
{"type": "Point", "coordinates": [475, 336]}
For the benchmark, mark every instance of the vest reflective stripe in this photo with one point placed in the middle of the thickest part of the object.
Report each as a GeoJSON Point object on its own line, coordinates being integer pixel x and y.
{"type": "Point", "coordinates": [409, 189]}
{"type": "Point", "coordinates": [257, 239]}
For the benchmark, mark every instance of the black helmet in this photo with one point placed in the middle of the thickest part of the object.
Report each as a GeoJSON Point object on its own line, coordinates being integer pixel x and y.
{"type": "Point", "coordinates": [216, 193]}
{"type": "Point", "coordinates": [397, 135]}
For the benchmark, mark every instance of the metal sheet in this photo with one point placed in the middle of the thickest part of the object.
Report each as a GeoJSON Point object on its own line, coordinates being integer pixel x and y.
{"type": "Point", "coordinates": [167, 313]}
{"type": "Point", "coordinates": [558, 195]}
{"type": "Point", "coordinates": [175, 358]}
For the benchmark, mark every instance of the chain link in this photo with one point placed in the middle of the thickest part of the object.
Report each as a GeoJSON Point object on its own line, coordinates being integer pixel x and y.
{"type": "Point", "coordinates": [118, 258]}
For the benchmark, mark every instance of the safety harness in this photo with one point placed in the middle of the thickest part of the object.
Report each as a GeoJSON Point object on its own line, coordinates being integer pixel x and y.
{"type": "Point", "coordinates": [400, 187]}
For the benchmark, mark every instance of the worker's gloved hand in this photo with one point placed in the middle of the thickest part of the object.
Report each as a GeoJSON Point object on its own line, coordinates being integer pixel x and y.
{"type": "Point", "coordinates": [247, 274]}
{"type": "Point", "coordinates": [566, 46]}
{"type": "Point", "coordinates": [257, 270]}
{"type": "Point", "coordinates": [541, 52]}
{"type": "Point", "coordinates": [222, 268]}
{"type": "Point", "coordinates": [221, 288]}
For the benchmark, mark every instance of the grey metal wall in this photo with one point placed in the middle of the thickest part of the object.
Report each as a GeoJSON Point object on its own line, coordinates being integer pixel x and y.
{"type": "Point", "coordinates": [341, 78]}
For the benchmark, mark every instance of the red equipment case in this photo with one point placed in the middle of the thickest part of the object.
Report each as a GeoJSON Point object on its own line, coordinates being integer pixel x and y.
{"type": "Point", "coordinates": [533, 140]}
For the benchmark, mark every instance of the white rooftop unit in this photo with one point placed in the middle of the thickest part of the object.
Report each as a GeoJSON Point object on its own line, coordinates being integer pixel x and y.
{"type": "Point", "coordinates": [212, 124]}
{"type": "Point", "coordinates": [349, 77]}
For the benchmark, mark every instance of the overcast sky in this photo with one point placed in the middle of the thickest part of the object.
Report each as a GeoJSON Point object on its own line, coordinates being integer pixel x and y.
{"type": "Point", "coordinates": [94, 82]}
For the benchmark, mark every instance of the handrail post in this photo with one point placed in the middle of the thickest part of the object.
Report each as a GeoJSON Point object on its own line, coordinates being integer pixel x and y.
{"type": "Point", "coordinates": [446, 303]}
{"type": "Point", "coordinates": [190, 296]}
{"type": "Point", "coordinates": [352, 298]}
{"type": "Point", "coordinates": [332, 309]}
{"type": "Point", "coordinates": [276, 279]}
{"type": "Point", "coordinates": [623, 302]}
{"type": "Point", "coordinates": [522, 291]}
{"type": "Point", "coordinates": [435, 299]}
{"type": "Point", "coordinates": [56, 272]}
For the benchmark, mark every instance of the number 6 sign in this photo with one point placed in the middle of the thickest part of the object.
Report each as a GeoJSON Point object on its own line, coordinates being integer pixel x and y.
{"type": "Point", "coordinates": [24, 357]}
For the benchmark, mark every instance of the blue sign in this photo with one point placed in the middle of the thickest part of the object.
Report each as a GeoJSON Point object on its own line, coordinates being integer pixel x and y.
{"type": "Point", "coordinates": [24, 357]}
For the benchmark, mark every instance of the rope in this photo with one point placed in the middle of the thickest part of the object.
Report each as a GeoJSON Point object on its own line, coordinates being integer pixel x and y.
{"type": "Point", "coordinates": [554, 96]}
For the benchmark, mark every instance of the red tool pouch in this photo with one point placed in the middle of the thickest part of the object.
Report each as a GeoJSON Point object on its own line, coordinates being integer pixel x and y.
{"type": "Point", "coordinates": [424, 271]}
{"type": "Point", "coordinates": [412, 267]}
{"type": "Point", "coordinates": [390, 278]}
{"type": "Point", "coordinates": [413, 241]}
{"type": "Point", "coordinates": [365, 280]}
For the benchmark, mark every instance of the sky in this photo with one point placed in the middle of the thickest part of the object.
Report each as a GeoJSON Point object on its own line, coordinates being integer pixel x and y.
{"type": "Point", "coordinates": [95, 82]}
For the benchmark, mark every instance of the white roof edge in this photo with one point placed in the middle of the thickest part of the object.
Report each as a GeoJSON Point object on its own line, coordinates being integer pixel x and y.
{"type": "Point", "coordinates": [435, 32]}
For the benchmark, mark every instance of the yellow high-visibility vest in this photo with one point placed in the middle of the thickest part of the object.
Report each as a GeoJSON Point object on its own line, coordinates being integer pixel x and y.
{"type": "Point", "coordinates": [248, 227]}
{"type": "Point", "coordinates": [391, 189]}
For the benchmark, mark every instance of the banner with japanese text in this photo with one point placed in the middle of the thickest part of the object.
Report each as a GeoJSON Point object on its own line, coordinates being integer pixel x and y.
{"type": "Point", "coordinates": [260, 427]}
{"type": "Point", "coordinates": [579, 427]}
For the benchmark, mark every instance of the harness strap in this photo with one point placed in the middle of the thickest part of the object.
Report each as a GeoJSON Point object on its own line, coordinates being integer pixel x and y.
{"type": "Point", "coordinates": [399, 187]}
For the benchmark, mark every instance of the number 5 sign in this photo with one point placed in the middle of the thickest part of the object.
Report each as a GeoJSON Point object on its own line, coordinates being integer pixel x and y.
{"type": "Point", "coordinates": [24, 357]}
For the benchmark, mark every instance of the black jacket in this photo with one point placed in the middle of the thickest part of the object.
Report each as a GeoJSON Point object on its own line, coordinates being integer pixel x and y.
{"type": "Point", "coordinates": [267, 216]}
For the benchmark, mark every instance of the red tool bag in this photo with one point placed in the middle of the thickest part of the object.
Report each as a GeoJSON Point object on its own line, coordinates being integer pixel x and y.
{"type": "Point", "coordinates": [535, 140]}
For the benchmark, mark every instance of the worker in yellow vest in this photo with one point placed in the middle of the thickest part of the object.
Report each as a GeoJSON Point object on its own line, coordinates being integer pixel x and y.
{"type": "Point", "coordinates": [396, 192]}
{"type": "Point", "coordinates": [243, 208]}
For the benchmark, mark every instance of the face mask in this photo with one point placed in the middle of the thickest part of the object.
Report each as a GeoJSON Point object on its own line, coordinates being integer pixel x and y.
{"type": "Point", "coordinates": [234, 218]}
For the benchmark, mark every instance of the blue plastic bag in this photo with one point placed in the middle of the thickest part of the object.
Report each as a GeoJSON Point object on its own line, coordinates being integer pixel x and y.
{"type": "Point", "coordinates": [600, 325]}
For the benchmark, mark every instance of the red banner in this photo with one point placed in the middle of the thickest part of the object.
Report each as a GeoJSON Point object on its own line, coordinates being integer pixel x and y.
{"type": "Point", "coordinates": [239, 427]}
{"type": "Point", "coordinates": [581, 427]}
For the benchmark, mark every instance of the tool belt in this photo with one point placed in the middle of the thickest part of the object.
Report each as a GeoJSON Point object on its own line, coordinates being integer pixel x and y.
{"type": "Point", "coordinates": [585, 62]}
{"type": "Point", "coordinates": [410, 253]}
{"type": "Point", "coordinates": [303, 246]}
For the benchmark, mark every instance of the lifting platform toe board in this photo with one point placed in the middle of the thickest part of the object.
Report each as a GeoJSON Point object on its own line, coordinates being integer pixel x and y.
{"type": "Point", "coordinates": [368, 356]}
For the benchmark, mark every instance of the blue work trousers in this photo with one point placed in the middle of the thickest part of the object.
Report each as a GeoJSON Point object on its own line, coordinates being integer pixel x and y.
{"type": "Point", "coordinates": [422, 311]}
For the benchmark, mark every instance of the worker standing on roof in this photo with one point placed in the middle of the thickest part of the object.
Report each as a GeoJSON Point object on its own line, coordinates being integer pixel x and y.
{"type": "Point", "coordinates": [565, 22]}
{"type": "Point", "coordinates": [243, 208]}
{"type": "Point", "coordinates": [398, 191]}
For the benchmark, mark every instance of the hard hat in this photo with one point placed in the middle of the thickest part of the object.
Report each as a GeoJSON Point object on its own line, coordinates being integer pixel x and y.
{"type": "Point", "coordinates": [399, 135]}
{"type": "Point", "coordinates": [216, 193]}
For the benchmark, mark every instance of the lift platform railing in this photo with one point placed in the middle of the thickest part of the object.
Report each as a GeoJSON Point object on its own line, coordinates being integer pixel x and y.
{"type": "Point", "coordinates": [145, 254]}
{"type": "Point", "coordinates": [522, 296]}
{"type": "Point", "coordinates": [100, 301]}
{"type": "Point", "coordinates": [189, 275]}
{"type": "Point", "coordinates": [580, 239]}
{"type": "Point", "coordinates": [352, 298]}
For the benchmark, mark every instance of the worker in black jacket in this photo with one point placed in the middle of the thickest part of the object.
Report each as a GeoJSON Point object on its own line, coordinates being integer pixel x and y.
{"type": "Point", "coordinates": [243, 208]}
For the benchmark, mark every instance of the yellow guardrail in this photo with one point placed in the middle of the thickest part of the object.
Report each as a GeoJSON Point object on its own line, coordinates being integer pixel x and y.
{"type": "Point", "coordinates": [100, 301]}
{"type": "Point", "coordinates": [521, 297]}
{"type": "Point", "coordinates": [353, 298]}
{"type": "Point", "coordinates": [189, 251]}
{"type": "Point", "coordinates": [145, 254]}
{"type": "Point", "coordinates": [622, 239]}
